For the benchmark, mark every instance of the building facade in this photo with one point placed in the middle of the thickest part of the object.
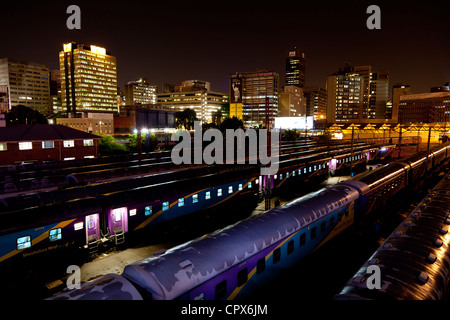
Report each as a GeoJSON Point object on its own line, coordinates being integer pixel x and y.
{"type": "Point", "coordinates": [295, 68]}
{"type": "Point", "coordinates": [42, 142]}
{"type": "Point", "coordinates": [258, 92]}
{"type": "Point", "coordinates": [96, 123]}
{"type": "Point", "coordinates": [140, 92]}
{"type": "Point", "coordinates": [88, 79]}
{"type": "Point", "coordinates": [4, 99]}
{"type": "Point", "coordinates": [424, 107]}
{"type": "Point", "coordinates": [291, 102]}
{"type": "Point", "coordinates": [202, 101]}
{"type": "Point", "coordinates": [345, 97]}
{"type": "Point", "coordinates": [397, 91]}
{"type": "Point", "coordinates": [28, 84]}
{"type": "Point", "coordinates": [316, 102]}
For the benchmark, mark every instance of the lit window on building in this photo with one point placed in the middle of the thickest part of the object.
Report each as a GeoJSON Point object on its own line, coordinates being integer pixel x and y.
{"type": "Point", "coordinates": [48, 144]}
{"type": "Point", "coordinates": [69, 143]}
{"type": "Point", "coordinates": [25, 145]}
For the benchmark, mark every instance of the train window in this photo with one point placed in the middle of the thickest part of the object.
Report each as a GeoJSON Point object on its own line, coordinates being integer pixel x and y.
{"type": "Point", "coordinates": [261, 265]}
{"type": "Point", "coordinates": [242, 277]}
{"type": "Point", "coordinates": [331, 222]}
{"type": "Point", "coordinates": [310, 169]}
{"type": "Point", "coordinates": [201, 296]}
{"type": "Point", "coordinates": [299, 171]}
{"type": "Point", "coordinates": [165, 206]}
{"type": "Point", "coordinates": [287, 174]}
{"type": "Point", "coordinates": [148, 210]}
{"type": "Point", "coordinates": [195, 198]}
{"type": "Point", "coordinates": [302, 239]}
{"type": "Point", "coordinates": [249, 184]}
{"type": "Point", "coordinates": [323, 226]}
{"type": "Point", "coordinates": [313, 233]}
{"type": "Point", "coordinates": [55, 234]}
{"type": "Point", "coordinates": [276, 255]}
{"type": "Point", "coordinates": [208, 195]}
{"type": "Point", "coordinates": [133, 212]}
{"type": "Point", "coordinates": [181, 202]}
{"type": "Point", "coordinates": [23, 242]}
{"type": "Point", "coordinates": [290, 247]}
{"type": "Point", "coordinates": [219, 192]}
{"type": "Point", "coordinates": [78, 226]}
{"type": "Point", "coordinates": [293, 173]}
{"type": "Point", "coordinates": [281, 176]}
{"type": "Point", "coordinates": [230, 189]}
{"type": "Point", "coordinates": [315, 168]}
{"type": "Point", "coordinates": [90, 222]}
{"type": "Point", "coordinates": [339, 216]}
{"type": "Point", "coordinates": [304, 170]}
{"type": "Point", "coordinates": [221, 290]}
{"type": "Point", "coordinates": [320, 166]}
{"type": "Point", "coordinates": [240, 187]}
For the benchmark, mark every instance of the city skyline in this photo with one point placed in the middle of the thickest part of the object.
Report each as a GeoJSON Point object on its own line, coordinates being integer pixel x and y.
{"type": "Point", "coordinates": [201, 41]}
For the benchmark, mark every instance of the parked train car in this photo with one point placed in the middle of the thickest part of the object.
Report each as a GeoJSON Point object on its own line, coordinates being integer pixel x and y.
{"type": "Point", "coordinates": [232, 262]}
{"type": "Point", "coordinates": [414, 261]}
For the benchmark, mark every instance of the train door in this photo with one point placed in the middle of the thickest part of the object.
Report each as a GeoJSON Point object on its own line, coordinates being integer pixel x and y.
{"type": "Point", "coordinates": [118, 220]}
{"type": "Point", "coordinates": [92, 224]}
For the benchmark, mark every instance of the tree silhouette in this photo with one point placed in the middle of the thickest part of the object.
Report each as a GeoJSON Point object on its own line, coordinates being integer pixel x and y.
{"type": "Point", "coordinates": [186, 118]}
{"type": "Point", "coordinates": [21, 114]}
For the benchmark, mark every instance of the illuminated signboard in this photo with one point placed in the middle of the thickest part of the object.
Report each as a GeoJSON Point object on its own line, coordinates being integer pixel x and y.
{"type": "Point", "coordinates": [300, 123]}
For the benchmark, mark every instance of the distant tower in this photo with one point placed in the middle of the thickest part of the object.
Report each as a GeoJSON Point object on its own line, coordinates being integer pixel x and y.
{"type": "Point", "coordinates": [295, 68]}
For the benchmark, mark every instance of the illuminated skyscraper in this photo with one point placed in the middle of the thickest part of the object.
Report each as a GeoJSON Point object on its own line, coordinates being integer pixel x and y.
{"type": "Point", "coordinates": [295, 68]}
{"type": "Point", "coordinates": [27, 84]}
{"type": "Point", "coordinates": [140, 92]}
{"type": "Point", "coordinates": [88, 79]}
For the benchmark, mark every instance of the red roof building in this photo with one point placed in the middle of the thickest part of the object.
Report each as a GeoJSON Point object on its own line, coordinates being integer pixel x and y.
{"type": "Point", "coordinates": [42, 142]}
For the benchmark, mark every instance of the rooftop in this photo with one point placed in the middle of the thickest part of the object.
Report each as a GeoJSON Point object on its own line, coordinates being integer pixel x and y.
{"type": "Point", "coordinates": [40, 132]}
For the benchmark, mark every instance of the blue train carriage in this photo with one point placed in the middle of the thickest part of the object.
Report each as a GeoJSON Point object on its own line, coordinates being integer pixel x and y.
{"type": "Point", "coordinates": [414, 260]}
{"type": "Point", "coordinates": [108, 287]}
{"type": "Point", "coordinates": [165, 202]}
{"type": "Point", "coordinates": [233, 262]}
{"type": "Point", "coordinates": [41, 231]}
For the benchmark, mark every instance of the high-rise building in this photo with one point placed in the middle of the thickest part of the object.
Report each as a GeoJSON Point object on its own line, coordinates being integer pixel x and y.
{"type": "Point", "coordinates": [258, 93]}
{"type": "Point", "coordinates": [316, 102]}
{"type": "Point", "coordinates": [28, 84]}
{"type": "Point", "coordinates": [295, 68]}
{"type": "Point", "coordinates": [360, 95]}
{"type": "Point", "coordinates": [55, 91]}
{"type": "Point", "coordinates": [140, 92]}
{"type": "Point", "coordinates": [196, 97]}
{"type": "Point", "coordinates": [378, 95]}
{"type": "Point", "coordinates": [88, 79]}
{"type": "Point", "coordinates": [291, 102]}
{"type": "Point", "coordinates": [345, 96]}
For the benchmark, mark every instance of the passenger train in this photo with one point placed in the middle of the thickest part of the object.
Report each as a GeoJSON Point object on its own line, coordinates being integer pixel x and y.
{"type": "Point", "coordinates": [88, 223]}
{"type": "Point", "coordinates": [414, 260]}
{"type": "Point", "coordinates": [233, 262]}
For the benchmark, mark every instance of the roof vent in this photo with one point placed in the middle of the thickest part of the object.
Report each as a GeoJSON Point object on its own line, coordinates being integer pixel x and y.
{"type": "Point", "coordinates": [422, 278]}
{"type": "Point", "coordinates": [431, 258]}
{"type": "Point", "coordinates": [185, 264]}
{"type": "Point", "coordinates": [438, 242]}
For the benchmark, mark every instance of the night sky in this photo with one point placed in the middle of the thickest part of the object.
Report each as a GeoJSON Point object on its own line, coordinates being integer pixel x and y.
{"type": "Point", "coordinates": [173, 41]}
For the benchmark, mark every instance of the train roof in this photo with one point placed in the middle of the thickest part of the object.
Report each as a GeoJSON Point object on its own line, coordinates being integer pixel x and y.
{"type": "Point", "coordinates": [414, 260]}
{"type": "Point", "coordinates": [108, 287]}
{"type": "Point", "coordinates": [188, 265]}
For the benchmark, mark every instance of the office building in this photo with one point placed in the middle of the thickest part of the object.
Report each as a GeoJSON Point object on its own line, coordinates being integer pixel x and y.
{"type": "Point", "coordinates": [4, 99]}
{"type": "Point", "coordinates": [295, 68]}
{"type": "Point", "coordinates": [258, 93]}
{"type": "Point", "coordinates": [424, 107]}
{"type": "Point", "coordinates": [194, 96]}
{"type": "Point", "coordinates": [378, 95]}
{"type": "Point", "coordinates": [316, 102]}
{"type": "Point", "coordinates": [345, 96]}
{"type": "Point", "coordinates": [397, 91]}
{"type": "Point", "coordinates": [88, 79]}
{"type": "Point", "coordinates": [28, 84]}
{"type": "Point", "coordinates": [291, 102]}
{"type": "Point", "coordinates": [140, 92]}
{"type": "Point", "coordinates": [96, 123]}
